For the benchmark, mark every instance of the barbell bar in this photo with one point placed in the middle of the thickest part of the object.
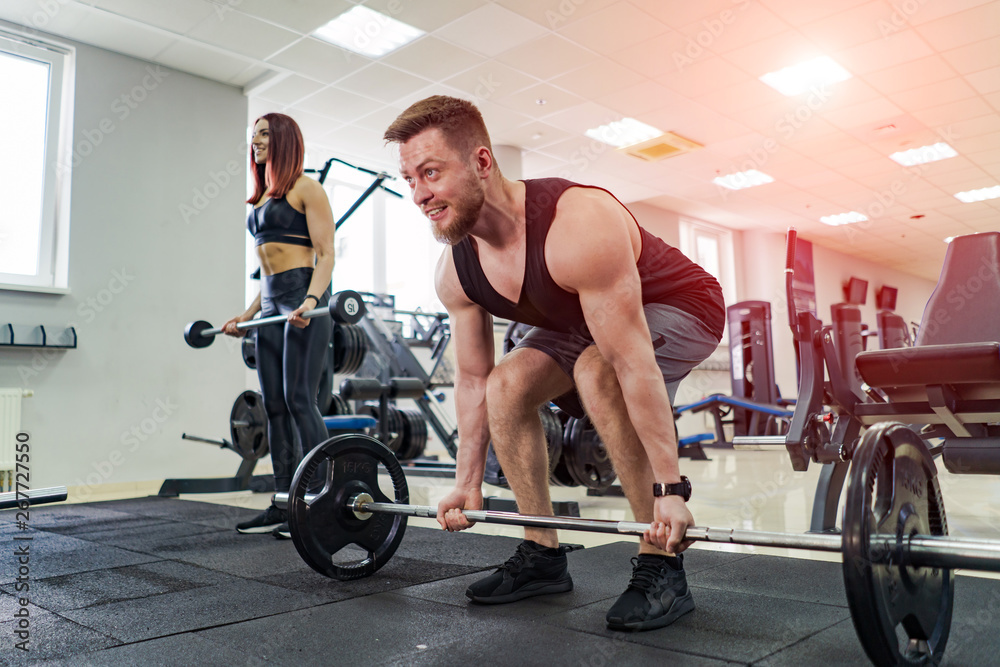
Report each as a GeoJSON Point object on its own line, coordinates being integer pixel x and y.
{"type": "Point", "coordinates": [916, 551]}
{"type": "Point", "coordinates": [346, 307]}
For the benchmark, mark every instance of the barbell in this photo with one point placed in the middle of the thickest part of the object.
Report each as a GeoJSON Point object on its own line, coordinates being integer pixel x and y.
{"type": "Point", "coordinates": [345, 307]}
{"type": "Point", "coordinates": [897, 557]}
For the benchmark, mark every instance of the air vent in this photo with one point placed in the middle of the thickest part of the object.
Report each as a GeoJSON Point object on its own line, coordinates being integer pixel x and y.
{"type": "Point", "coordinates": [661, 147]}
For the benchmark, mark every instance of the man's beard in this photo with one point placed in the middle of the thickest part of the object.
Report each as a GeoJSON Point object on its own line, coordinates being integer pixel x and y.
{"type": "Point", "coordinates": [464, 214]}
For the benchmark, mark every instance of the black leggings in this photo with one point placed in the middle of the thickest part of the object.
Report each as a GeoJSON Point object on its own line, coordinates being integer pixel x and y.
{"type": "Point", "coordinates": [290, 362]}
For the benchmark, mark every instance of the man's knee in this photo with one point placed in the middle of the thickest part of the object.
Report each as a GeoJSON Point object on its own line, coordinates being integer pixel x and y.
{"type": "Point", "coordinates": [594, 375]}
{"type": "Point", "coordinates": [508, 387]}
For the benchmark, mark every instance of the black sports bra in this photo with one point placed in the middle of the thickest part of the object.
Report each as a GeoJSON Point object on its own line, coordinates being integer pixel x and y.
{"type": "Point", "coordinates": [276, 221]}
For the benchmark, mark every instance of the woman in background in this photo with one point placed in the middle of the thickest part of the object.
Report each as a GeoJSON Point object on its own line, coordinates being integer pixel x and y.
{"type": "Point", "coordinates": [293, 227]}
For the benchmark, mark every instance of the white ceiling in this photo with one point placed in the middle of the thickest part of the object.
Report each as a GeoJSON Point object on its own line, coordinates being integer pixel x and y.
{"type": "Point", "coordinates": [930, 69]}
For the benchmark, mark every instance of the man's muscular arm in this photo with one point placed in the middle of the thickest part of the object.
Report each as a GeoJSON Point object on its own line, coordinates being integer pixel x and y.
{"type": "Point", "coordinates": [591, 250]}
{"type": "Point", "coordinates": [472, 338]}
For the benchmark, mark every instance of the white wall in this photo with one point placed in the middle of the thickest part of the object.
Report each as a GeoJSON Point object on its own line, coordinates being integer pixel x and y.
{"type": "Point", "coordinates": [763, 279]}
{"type": "Point", "coordinates": [141, 266]}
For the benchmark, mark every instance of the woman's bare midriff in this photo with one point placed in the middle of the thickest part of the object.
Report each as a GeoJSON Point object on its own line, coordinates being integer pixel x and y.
{"type": "Point", "coordinates": [278, 257]}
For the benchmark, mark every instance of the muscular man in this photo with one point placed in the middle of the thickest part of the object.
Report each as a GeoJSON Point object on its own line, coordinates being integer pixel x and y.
{"type": "Point", "coordinates": [619, 316]}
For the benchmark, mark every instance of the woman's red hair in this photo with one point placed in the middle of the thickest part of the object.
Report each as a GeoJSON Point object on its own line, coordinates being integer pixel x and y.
{"type": "Point", "coordinates": [285, 158]}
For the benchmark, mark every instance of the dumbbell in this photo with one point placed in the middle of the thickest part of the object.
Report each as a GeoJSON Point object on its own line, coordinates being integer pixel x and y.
{"type": "Point", "coordinates": [345, 307]}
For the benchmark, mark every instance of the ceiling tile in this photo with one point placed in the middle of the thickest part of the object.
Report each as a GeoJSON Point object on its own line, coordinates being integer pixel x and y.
{"type": "Point", "coordinates": [534, 135]}
{"type": "Point", "coordinates": [598, 78]}
{"type": "Point", "coordinates": [178, 17]}
{"type": "Point", "coordinates": [797, 12]}
{"type": "Point", "coordinates": [704, 77]}
{"type": "Point", "coordinates": [500, 120]}
{"type": "Point", "coordinates": [853, 26]}
{"type": "Point", "coordinates": [313, 126]}
{"type": "Point", "coordinates": [318, 60]}
{"type": "Point", "coordinates": [639, 98]}
{"type": "Point", "coordinates": [303, 16]}
{"type": "Point", "coordinates": [490, 30]}
{"type": "Point", "coordinates": [382, 82]}
{"type": "Point", "coordinates": [339, 104]}
{"type": "Point", "coordinates": [290, 90]}
{"type": "Point", "coordinates": [773, 53]}
{"type": "Point", "coordinates": [110, 31]}
{"type": "Point", "coordinates": [249, 75]}
{"type": "Point", "coordinates": [428, 15]}
{"type": "Point", "coordinates": [548, 56]}
{"type": "Point", "coordinates": [913, 74]}
{"type": "Point", "coordinates": [663, 55]}
{"type": "Point", "coordinates": [884, 52]}
{"type": "Point", "coordinates": [243, 34]}
{"type": "Point", "coordinates": [957, 30]}
{"type": "Point", "coordinates": [490, 79]}
{"type": "Point", "coordinates": [954, 112]}
{"type": "Point", "coordinates": [527, 100]}
{"type": "Point", "coordinates": [987, 81]}
{"type": "Point", "coordinates": [614, 28]}
{"type": "Point", "coordinates": [205, 61]}
{"type": "Point", "coordinates": [553, 15]}
{"type": "Point", "coordinates": [974, 57]}
{"type": "Point", "coordinates": [432, 58]}
{"type": "Point", "coordinates": [379, 120]}
{"type": "Point", "coordinates": [679, 14]}
{"type": "Point", "coordinates": [942, 92]}
{"type": "Point", "coordinates": [737, 25]}
{"type": "Point", "coordinates": [861, 114]}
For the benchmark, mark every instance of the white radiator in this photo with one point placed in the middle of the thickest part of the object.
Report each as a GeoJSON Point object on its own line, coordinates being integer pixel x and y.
{"type": "Point", "coordinates": [10, 426]}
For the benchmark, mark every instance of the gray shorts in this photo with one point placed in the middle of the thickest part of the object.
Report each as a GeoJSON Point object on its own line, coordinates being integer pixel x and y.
{"type": "Point", "coordinates": [680, 341]}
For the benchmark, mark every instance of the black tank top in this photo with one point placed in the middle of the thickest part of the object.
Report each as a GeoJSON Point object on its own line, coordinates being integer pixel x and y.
{"type": "Point", "coordinates": [276, 221]}
{"type": "Point", "coordinates": [668, 277]}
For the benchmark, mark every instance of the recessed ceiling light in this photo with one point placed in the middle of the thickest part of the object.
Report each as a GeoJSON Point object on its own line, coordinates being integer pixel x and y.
{"type": "Point", "coordinates": [367, 32]}
{"type": "Point", "coordinates": [743, 179]}
{"type": "Point", "coordinates": [541, 101]}
{"type": "Point", "coordinates": [843, 218]}
{"type": "Point", "coordinates": [924, 154]}
{"type": "Point", "coordinates": [624, 132]}
{"type": "Point", "coordinates": [981, 194]}
{"type": "Point", "coordinates": [797, 79]}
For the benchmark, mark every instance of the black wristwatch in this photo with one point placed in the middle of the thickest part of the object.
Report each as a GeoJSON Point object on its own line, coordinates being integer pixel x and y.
{"type": "Point", "coordinates": [681, 488]}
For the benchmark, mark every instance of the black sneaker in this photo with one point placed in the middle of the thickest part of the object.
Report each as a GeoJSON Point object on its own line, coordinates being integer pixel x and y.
{"type": "Point", "coordinates": [656, 596]}
{"type": "Point", "coordinates": [282, 532]}
{"type": "Point", "coordinates": [265, 522]}
{"type": "Point", "coordinates": [532, 570]}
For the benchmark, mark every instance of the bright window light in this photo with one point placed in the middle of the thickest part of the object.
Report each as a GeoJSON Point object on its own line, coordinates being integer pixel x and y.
{"type": "Point", "coordinates": [981, 194]}
{"type": "Point", "coordinates": [924, 154]}
{"type": "Point", "coordinates": [797, 79]}
{"type": "Point", "coordinates": [624, 132]}
{"type": "Point", "coordinates": [843, 218]}
{"type": "Point", "coordinates": [743, 179]}
{"type": "Point", "coordinates": [367, 32]}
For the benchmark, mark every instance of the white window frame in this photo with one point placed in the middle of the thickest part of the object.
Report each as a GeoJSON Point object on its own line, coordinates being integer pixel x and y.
{"type": "Point", "coordinates": [691, 230]}
{"type": "Point", "coordinates": [53, 249]}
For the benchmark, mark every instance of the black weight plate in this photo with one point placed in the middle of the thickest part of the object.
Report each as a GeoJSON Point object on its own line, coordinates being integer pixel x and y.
{"type": "Point", "coordinates": [248, 425]}
{"type": "Point", "coordinates": [347, 307]}
{"type": "Point", "coordinates": [338, 406]}
{"type": "Point", "coordinates": [394, 423]}
{"type": "Point", "coordinates": [249, 349]}
{"type": "Point", "coordinates": [325, 525]}
{"type": "Point", "coordinates": [414, 434]}
{"type": "Point", "coordinates": [493, 473]}
{"type": "Point", "coordinates": [193, 337]}
{"type": "Point", "coordinates": [902, 614]}
{"type": "Point", "coordinates": [586, 458]}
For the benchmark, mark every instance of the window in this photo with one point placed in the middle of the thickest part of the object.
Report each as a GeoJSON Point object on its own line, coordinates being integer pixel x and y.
{"type": "Point", "coordinates": [37, 101]}
{"type": "Point", "coordinates": [712, 249]}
